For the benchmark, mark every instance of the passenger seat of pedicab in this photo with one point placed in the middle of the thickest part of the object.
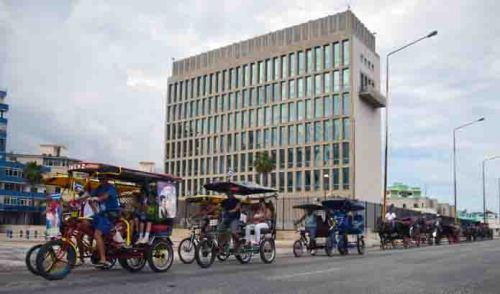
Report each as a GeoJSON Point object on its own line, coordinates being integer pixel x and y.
{"type": "Point", "coordinates": [358, 224]}
{"type": "Point", "coordinates": [162, 228]}
{"type": "Point", "coordinates": [323, 228]}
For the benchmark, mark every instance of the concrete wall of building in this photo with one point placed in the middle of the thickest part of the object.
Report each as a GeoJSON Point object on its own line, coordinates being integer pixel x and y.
{"type": "Point", "coordinates": [367, 129]}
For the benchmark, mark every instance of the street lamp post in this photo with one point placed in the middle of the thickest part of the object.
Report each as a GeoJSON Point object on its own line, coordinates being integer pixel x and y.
{"type": "Point", "coordinates": [455, 162]}
{"type": "Point", "coordinates": [484, 183]}
{"type": "Point", "coordinates": [326, 177]}
{"type": "Point", "coordinates": [431, 34]}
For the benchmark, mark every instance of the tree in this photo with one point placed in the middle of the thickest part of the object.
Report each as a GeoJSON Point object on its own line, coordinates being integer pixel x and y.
{"type": "Point", "coordinates": [33, 173]}
{"type": "Point", "coordinates": [263, 163]}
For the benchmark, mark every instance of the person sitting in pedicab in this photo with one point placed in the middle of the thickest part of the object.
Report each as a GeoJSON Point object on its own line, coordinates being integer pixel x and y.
{"type": "Point", "coordinates": [230, 219]}
{"type": "Point", "coordinates": [107, 197]}
{"type": "Point", "coordinates": [206, 213]}
{"type": "Point", "coordinates": [141, 222]}
{"type": "Point", "coordinates": [311, 225]}
{"type": "Point", "coordinates": [260, 220]}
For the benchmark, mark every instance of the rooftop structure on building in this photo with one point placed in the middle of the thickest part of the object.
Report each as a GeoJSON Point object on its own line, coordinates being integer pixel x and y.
{"type": "Point", "coordinates": [404, 196]}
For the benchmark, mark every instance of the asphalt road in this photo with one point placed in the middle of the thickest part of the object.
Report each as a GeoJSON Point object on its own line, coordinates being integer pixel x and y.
{"type": "Point", "coordinates": [464, 268]}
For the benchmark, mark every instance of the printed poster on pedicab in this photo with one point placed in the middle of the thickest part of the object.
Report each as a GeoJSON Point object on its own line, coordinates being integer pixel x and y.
{"type": "Point", "coordinates": [53, 216]}
{"type": "Point", "coordinates": [167, 200]}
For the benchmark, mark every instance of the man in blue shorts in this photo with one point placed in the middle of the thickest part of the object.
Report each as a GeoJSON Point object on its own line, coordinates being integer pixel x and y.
{"type": "Point", "coordinates": [107, 197]}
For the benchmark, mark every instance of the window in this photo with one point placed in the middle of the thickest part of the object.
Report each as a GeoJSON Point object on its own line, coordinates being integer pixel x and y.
{"type": "Point", "coordinates": [336, 105]}
{"type": "Point", "coordinates": [336, 81]}
{"type": "Point", "coordinates": [276, 62]}
{"type": "Point", "coordinates": [300, 87]}
{"type": "Point", "coordinates": [317, 55]}
{"type": "Point", "coordinates": [326, 155]}
{"type": "Point", "coordinates": [300, 110]}
{"type": "Point", "coordinates": [246, 73]}
{"type": "Point", "coordinates": [345, 104]}
{"type": "Point", "coordinates": [335, 179]}
{"type": "Point", "coordinates": [292, 64]}
{"type": "Point", "coordinates": [284, 69]}
{"type": "Point", "coordinates": [345, 79]}
{"type": "Point", "coordinates": [307, 180]}
{"type": "Point", "coordinates": [269, 70]}
{"type": "Point", "coordinates": [328, 56]}
{"type": "Point", "coordinates": [307, 156]}
{"type": "Point", "coordinates": [317, 132]}
{"type": "Point", "coordinates": [309, 61]}
{"type": "Point", "coordinates": [291, 135]}
{"type": "Point", "coordinates": [298, 181]}
{"type": "Point", "coordinates": [282, 135]}
{"type": "Point", "coordinates": [345, 52]}
{"type": "Point", "coordinates": [309, 86]}
{"type": "Point", "coordinates": [345, 153]}
{"type": "Point", "coordinates": [283, 113]}
{"type": "Point", "coordinates": [328, 106]}
{"type": "Point", "coordinates": [316, 180]}
{"type": "Point", "coordinates": [318, 108]}
{"type": "Point", "coordinates": [276, 114]}
{"type": "Point", "coordinates": [261, 72]}
{"type": "Point", "coordinates": [283, 91]}
{"type": "Point", "coordinates": [308, 133]}
{"type": "Point", "coordinates": [327, 83]}
{"type": "Point", "coordinates": [336, 129]}
{"type": "Point", "coordinates": [345, 178]}
{"type": "Point", "coordinates": [317, 156]}
{"type": "Point", "coordinates": [276, 92]}
{"type": "Point", "coordinates": [300, 134]}
{"type": "Point", "coordinates": [274, 136]}
{"type": "Point", "coordinates": [346, 129]}
{"type": "Point", "coordinates": [327, 125]}
{"type": "Point", "coordinates": [289, 181]}
{"type": "Point", "coordinates": [301, 62]}
{"type": "Point", "coordinates": [299, 156]}
{"type": "Point", "coordinates": [290, 157]}
{"type": "Point", "coordinates": [291, 89]}
{"type": "Point", "coordinates": [282, 158]}
{"type": "Point", "coordinates": [336, 54]}
{"type": "Point", "coordinates": [317, 85]}
{"type": "Point", "coordinates": [309, 110]}
{"type": "Point", "coordinates": [254, 73]}
{"type": "Point", "coordinates": [292, 115]}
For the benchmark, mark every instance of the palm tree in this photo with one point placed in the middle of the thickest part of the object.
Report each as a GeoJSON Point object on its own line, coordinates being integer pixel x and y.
{"type": "Point", "coordinates": [264, 164]}
{"type": "Point", "coordinates": [33, 173]}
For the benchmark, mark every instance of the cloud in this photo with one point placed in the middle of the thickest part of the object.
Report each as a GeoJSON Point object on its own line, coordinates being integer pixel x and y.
{"type": "Point", "coordinates": [93, 74]}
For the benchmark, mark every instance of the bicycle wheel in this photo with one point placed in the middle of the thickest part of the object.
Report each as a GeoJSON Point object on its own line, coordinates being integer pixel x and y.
{"type": "Point", "coordinates": [55, 259]}
{"type": "Point", "coordinates": [160, 256]}
{"type": "Point", "coordinates": [267, 250]}
{"type": "Point", "coordinates": [187, 251]}
{"type": "Point", "coordinates": [298, 248]}
{"type": "Point", "coordinates": [31, 259]}
{"type": "Point", "coordinates": [205, 253]}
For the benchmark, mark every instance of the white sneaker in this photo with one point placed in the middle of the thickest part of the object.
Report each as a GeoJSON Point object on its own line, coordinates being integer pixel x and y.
{"type": "Point", "coordinates": [117, 237]}
{"type": "Point", "coordinates": [144, 240]}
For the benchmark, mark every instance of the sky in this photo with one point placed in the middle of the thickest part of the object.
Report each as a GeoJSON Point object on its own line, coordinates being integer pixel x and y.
{"type": "Point", "coordinates": [92, 75]}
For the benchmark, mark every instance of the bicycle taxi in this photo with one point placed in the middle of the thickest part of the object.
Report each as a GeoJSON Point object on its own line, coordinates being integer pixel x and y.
{"type": "Point", "coordinates": [56, 258]}
{"type": "Point", "coordinates": [70, 213]}
{"type": "Point", "coordinates": [311, 240]}
{"type": "Point", "coordinates": [203, 221]}
{"type": "Point", "coordinates": [348, 228]}
{"type": "Point", "coordinates": [219, 243]}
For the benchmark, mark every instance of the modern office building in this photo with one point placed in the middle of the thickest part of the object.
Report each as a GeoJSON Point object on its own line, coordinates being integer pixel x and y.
{"type": "Point", "coordinates": [307, 94]}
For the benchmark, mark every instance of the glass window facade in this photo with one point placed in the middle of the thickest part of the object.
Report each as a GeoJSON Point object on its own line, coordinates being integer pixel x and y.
{"type": "Point", "coordinates": [296, 105]}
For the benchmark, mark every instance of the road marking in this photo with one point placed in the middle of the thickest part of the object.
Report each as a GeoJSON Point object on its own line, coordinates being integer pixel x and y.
{"type": "Point", "coordinates": [284, 277]}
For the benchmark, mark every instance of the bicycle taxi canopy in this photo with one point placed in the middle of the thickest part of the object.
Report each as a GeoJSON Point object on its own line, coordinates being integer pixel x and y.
{"type": "Point", "coordinates": [203, 199]}
{"type": "Point", "coordinates": [309, 206]}
{"type": "Point", "coordinates": [239, 188]}
{"type": "Point", "coordinates": [343, 205]}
